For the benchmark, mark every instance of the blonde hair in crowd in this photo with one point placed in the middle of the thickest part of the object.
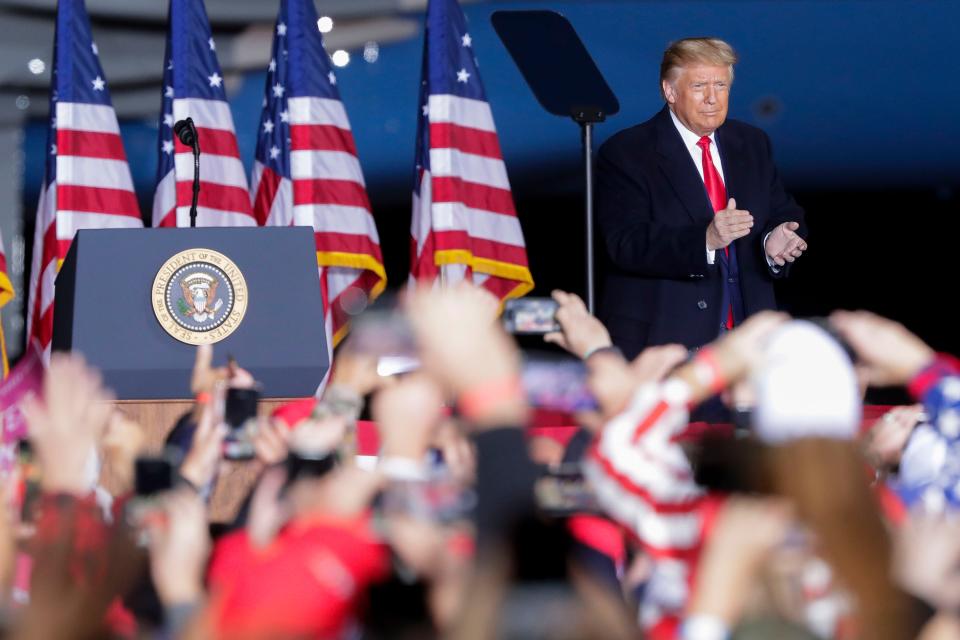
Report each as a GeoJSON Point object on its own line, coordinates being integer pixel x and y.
{"type": "Point", "coordinates": [827, 482]}
{"type": "Point", "coordinates": [712, 51]}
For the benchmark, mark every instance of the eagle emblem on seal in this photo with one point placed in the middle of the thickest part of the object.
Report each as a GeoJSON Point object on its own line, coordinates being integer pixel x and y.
{"type": "Point", "coordinates": [200, 300]}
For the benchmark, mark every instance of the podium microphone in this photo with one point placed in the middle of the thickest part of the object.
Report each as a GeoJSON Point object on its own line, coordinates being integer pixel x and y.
{"type": "Point", "coordinates": [187, 133]}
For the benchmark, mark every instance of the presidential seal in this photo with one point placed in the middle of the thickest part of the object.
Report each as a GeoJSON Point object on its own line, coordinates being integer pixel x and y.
{"type": "Point", "coordinates": [199, 296]}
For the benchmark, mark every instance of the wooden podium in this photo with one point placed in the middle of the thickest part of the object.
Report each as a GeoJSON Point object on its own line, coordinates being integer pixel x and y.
{"type": "Point", "coordinates": [158, 418]}
{"type": "Point", "coordinates": [135, 302]}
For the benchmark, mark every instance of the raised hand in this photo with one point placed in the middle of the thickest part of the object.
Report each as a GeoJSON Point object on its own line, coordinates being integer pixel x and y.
{"type": "Point", "coordinates": [613, 381]}
{"type": "Point", "coordinates": [179, 547]}
{"type": "Point", "coordinates": [728, 225]}
{"type": "Point", "coordinates": [745, 533]}
{"type": "Point", "coordinates": [735, 353]}
{"type": "Point", "coordinates": [67, 424]}
{"type": "Point", "coordinates": [885, 442]}
{"type": "Point", "coordinates": [408, 416]}
{"type": "Point", "coordinates": [887, 353]}
{"type": "Point", "coordinates": [122, 442]}
{"type": "Point", "coordinates": [206, 378]}
{"type": "Point", "coordinates": [654, 363]}
{"type": "Point", "coordinates": [784, 245]}
{"type": "Point", "coordinates": [580, 333]}
{"type": "Point", "coordinates": [464, 349]}
{"type": "Point", "coordinates": [270, 442]}
{"type": "Point", "coordinates": [355, 371]}
{"type": "Point", "coordinates": [268, 511]}
{"type": "Point", "coordinates": [202, 460]}
{"type": "Point", "coordinates": [926, 557]}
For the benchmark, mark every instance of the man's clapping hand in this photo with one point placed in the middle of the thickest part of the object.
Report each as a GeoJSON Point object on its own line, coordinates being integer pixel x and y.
{"type": "Point", "coordinates": [728, 225]}
{"type": "Point", "coordinates": [783, 245]}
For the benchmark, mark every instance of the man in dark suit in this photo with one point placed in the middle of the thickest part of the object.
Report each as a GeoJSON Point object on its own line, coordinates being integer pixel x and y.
{"type": "Point", "coordinates": [694, 220]}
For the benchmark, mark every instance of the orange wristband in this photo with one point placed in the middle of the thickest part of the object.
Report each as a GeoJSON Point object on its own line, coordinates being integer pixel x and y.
{"type": "Point", "coordinates": [473, 402]}
{"type": "Point", "coordinates": [707, 372]}
{"type": "Point", "coordinates": [202, 398]}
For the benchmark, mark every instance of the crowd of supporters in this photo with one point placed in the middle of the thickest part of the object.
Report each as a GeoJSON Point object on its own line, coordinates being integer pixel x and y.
{"type": "Point", "coordinates": [793, 521]}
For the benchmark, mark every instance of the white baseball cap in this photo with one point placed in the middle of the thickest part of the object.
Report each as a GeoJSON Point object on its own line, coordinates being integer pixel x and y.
{"type": "Point", "coordinates": [806, 387]}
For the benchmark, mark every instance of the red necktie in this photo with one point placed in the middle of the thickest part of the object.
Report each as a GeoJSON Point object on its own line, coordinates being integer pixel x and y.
{"type": "Point", "coordinates": [718, 197]}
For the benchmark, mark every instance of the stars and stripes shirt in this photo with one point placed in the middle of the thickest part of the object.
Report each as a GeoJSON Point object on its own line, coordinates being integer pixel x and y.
{"type": "Point", "coordinates": [193, 87]}
{"type": "Point", "coordinates": [306, 170]}
{"type": "Point", "coordinates": [464, 224]}
{"type": "Point", "coordinates": [929, 471]}
{"type": "Point", "coordinates": [643, 480]}
{"type": "Point", "coordinates": [87, 182]}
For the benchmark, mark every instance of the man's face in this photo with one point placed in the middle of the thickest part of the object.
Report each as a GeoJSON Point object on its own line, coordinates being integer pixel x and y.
{"type": "Point", "coordinates": [698, 96]}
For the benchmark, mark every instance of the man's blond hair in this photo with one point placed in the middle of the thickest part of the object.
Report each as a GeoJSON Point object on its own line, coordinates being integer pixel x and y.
{"type": "Point", "coordinates": [712, 51]}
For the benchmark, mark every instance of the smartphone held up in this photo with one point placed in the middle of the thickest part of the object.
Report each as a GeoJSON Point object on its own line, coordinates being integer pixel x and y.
{"type": "Point", "coordinates": [530, 316]}
{"type": "Point", "coordinates": [240, 416]}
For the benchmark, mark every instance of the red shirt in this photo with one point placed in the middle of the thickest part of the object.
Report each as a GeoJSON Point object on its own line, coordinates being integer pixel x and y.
{"type": "Point", "coordinates": [308, 582]}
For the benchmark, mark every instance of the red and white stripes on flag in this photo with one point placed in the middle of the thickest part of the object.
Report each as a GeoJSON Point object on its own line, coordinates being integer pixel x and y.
{"type": "Point", "coordinates": [464, 219]}
{"type": "Point", "coordinates": [87, 183]}
{"type": "Point", "coordinates": [307, 172]}
{"type": "Point", "coordinates": [193, 87]}
{"type": "Point", "coordinates": [91, 189]}
{"type": "Point", "coordinates": [642, 478]}
{"type": "Point", "coordinates": [464, 223]}
{"type": "Point", "coordinates": [224, 199]}
{"type": "Point", "coordinates": [326, 191]}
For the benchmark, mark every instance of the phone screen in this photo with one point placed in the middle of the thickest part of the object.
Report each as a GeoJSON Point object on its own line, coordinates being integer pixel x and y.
{"type": "Point", "coordinates": [557, 384]}
{"type": "Point", "coordinates": [530, 316]}
{"type": "Point", "coordinates": [564, 492]}
{"type": "Point", "coordinates": [383, 332]}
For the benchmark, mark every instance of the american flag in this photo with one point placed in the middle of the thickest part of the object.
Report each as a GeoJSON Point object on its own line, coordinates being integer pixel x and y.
{"type": "Point", "coordinates": [6, 295]}
{"type": "Point", "coordinates": [87, 184]}
{"type": "Point", "coordinates": [306, 170]}
{"type": "Point", "coordinates": [193, 86]}
{"type": "Point", "coordinates": [464, 224]}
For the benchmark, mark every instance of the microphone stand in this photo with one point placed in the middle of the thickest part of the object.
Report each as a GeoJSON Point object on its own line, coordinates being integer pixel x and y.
{"type": "Point", "coordinates": [187, 133]}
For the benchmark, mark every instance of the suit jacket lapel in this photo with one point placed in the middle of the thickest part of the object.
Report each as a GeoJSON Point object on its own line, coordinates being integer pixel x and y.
{"type": "Point", "coordinates": [680, 171]}
{"type": "Point", "coordinates": [736, 178]}
{"type": "Point", "coordinates": [734, 173]}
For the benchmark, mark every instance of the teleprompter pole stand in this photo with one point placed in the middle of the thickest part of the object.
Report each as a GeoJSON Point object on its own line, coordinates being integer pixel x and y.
{"type": "Point", "coordinates": [587, 118]}
{"type": "Point", "coordinates": [566, 82]}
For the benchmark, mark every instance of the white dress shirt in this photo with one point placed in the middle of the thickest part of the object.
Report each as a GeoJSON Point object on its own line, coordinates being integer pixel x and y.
{"type": "Point", "coordinates": [690, 140]}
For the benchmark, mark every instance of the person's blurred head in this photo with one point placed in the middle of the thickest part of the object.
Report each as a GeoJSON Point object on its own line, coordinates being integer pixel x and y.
{"type": "Point", "coordinates": [805, 422]}
{"type": "Point", "coordinates": [805, 386]}
{"type": "Point", "coordinates": [808, 412]}
{"type": "Point", "coordinates": [827, 482]}
{"type": "Point", "coordinates": [695, 79]}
